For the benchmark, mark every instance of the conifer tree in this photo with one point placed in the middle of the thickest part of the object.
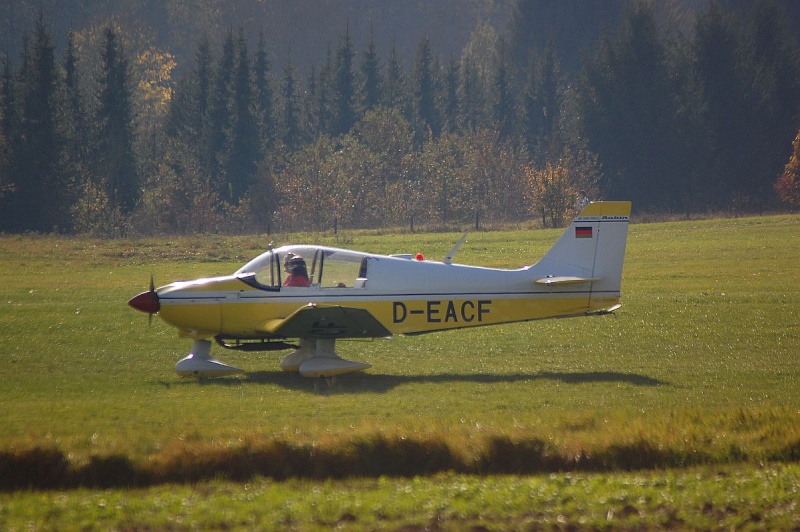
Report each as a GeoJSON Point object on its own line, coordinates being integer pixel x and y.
{"type": "Point", "coordinates": [198, 106]}
{"type": "Point", "coordinates": [450, 97]}
{"type": "Point", "coordinates": [243, 151]}
{"type": "Point", "coordinates": [775, 78]}
{"type": "Point", "coordinates": [263, 96]}
{"type": "Point", "coordinates": [370, 82]}
{"type": "Point", "coordinates": [219, 112]}
{"type": "Point", "coordinates": [470, 96]}
{"type": "Point", "coordinates": [394, 86]}
{"type": "Point", "coordinates": [628, 107]}
{"type": "Point", "coordinates": [291, 132]}
{"type": "Point", "coordinates": [41, 200]}
{"type": "Point", "coordinates": [503, 106]}
{"type": "Point", "coordinates": [8, 133]}
{"type": "Point", "coordinates": [115, 162]}
{"type": "Point", "coordinates": [320, 101]}
{"type": "Point", "coordinates": [424, 93]}
{"type": "Point", "coordinates": [541, 106]}
{"type": "Point", "coordinates": [344, 88]}
{"type": "Point", "coordinates": [74, 125]}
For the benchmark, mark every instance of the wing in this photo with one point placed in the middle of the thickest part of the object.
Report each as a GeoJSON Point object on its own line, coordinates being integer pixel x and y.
{"type": "Point", "coordinates": [318, 321]}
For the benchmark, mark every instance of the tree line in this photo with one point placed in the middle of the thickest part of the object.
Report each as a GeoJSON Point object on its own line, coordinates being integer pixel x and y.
{"type": "Point", "coordinates": [108, 139]}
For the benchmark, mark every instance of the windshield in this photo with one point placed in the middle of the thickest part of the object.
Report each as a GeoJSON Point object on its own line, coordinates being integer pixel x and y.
{"type": "Point", "coordinates": [326, 267]}
{"type": "Point", "coordinates": [265, 268]}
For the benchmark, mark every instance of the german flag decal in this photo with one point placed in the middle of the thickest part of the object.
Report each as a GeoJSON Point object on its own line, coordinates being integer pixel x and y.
{"type": "Point", "coordinates": [583, 232]}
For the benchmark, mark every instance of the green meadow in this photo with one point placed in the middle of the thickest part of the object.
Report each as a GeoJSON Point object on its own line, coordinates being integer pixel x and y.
{"type": "Point", "coordinates": [682, 410]}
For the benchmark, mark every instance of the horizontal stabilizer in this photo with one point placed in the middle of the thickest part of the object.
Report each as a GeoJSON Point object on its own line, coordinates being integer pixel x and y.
{"type": "Point", "coordinates": [318, 321]}
{"type": "Point", "coordinates": [563, 280]}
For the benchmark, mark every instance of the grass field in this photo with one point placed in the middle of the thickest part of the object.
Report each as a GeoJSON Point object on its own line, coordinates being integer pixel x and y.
{"type": "Point", "coordinates": [681, 411]}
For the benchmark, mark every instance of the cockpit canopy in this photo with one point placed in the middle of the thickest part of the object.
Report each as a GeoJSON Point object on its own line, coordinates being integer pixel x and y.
{"type": "Point", "coordinates": [327, 267]}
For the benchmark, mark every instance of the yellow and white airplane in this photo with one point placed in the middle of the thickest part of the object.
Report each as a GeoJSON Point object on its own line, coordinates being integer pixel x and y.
{"type": "Point", "coordinates": [319, 294]}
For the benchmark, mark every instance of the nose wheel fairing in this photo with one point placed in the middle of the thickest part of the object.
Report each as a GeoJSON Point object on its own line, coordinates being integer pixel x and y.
{"type": "Point", "coordinates": [199, 363]}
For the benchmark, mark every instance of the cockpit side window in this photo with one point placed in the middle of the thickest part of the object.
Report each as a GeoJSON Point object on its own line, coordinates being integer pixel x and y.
{"type": "Point", "coordinates": [342, 269]}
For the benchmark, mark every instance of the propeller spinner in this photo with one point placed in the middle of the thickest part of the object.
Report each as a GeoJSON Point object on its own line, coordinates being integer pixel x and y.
{"type": "Point", "coordinates": [146, 301]}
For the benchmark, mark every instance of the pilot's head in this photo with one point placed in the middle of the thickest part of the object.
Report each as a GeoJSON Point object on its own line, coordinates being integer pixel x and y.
{"type": "Point", "coordinates": [294, 264]}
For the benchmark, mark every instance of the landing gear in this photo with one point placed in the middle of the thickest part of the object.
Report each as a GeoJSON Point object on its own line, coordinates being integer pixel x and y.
{"type": "Point", "coordinates": [317, 358]}
{"type": "Point", "coordinates": [314, 358]}
{"type": "Point", "coordinates": [200, 364]}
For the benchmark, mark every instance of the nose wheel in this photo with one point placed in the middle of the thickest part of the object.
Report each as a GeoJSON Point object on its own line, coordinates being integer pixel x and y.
{"type": "Point", "coordinates": [199, 363]}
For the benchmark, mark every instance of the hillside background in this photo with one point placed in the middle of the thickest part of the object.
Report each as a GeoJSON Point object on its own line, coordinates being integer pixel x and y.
{"type": "Point", "coordinates": [157, 116]}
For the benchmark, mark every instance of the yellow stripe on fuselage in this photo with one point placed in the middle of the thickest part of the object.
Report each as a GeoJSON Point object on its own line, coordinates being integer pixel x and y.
{"type": "Point", "coordinates": [242, 314]}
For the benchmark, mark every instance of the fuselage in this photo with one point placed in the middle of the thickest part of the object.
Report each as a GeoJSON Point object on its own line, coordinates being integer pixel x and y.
{"type": "Point", "coordinates": [407, 296]}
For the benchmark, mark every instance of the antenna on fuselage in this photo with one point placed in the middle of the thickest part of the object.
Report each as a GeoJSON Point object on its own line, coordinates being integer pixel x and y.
{"type": "Point", "coordinates": [452, 253]}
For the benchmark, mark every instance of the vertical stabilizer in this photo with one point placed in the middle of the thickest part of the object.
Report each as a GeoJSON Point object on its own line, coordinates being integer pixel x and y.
{"type": "Point", "coordinates": [590, 252]}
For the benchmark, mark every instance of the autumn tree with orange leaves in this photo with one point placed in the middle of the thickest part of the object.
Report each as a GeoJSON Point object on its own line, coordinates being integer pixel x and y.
{"type": "Point", "coordinates": [788, 184]}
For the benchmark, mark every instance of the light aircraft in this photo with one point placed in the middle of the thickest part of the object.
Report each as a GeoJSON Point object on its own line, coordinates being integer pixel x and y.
{"type": "Point", "coordinates": [350, 294]}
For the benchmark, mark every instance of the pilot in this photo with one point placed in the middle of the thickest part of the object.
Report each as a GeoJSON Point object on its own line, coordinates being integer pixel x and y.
{"type": "Point", "coordinates": [295, 266]}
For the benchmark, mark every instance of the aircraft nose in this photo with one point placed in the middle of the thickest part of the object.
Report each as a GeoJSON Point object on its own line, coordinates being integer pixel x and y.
{"type": "Point", "coordinates": [146, 302]}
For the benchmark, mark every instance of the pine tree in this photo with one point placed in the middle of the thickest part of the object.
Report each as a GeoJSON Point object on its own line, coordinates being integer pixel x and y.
{"type": "Point", "coordinates": [370, 83]}
{"type": "Point", "coordinates": [344, 94]}
{"type": "Point", "coordinates": [450, 97]}
{"type": "Point", "coordinates": [115, 162]}
{"type": "Point", "coordinates": [8, 135]}
{"type": "Point", "coordinates": [243, 151]}
{"type": "Point", "coordinates": [197, 118]}
{"type": "Point", "coordinates": [188, 121]}
{"type": "Point", "coordinates": [747, 69]}
{"type": "Point", "coordinates": [74, 125]}
{"type": "Point", "coordinates": [424, 93]}
{"type": "Point", "coordinates": [628, 108]}
{"type": "Point", "coordinates": [263, 97]}
{"type": "Point", "coordinates": [718, 68]}
{"type": "Point", "coordinates": [573, 26]}
{"type": "Point", "coordinates": [219, 114]}
{"type": "Point", "coordinates": [503, 105]}
{"type": "Point", "coordinates": [320, 102]}
{"type": "Point", "coordinates": [394, 86]}
{"type": "Point", "coordinates": [541, 106]}
{"type": "Point", "coordinates": [291, 132]}
{"type": "Point", "coordinates": [775, 82]}
{"type": "Point", "coordinates": [41, 200]}
{"type": "Point", "coordinates": [471, 97]}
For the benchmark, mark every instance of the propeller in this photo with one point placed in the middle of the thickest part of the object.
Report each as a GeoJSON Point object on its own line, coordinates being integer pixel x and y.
{"type": "Point", "coordinates": [147, 301]}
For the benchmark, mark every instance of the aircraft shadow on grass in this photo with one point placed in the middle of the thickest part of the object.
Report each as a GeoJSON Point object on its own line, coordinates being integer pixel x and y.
{"type": "Point", "coordinates": [378, 383]}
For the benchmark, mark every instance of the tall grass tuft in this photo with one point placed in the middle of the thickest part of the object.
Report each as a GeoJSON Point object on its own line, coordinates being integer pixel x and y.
{"type": "Point", "coordinates": [33, 468]}
{"type": "Point", "coordinates": [504, 456]}
{"type": "Point", "coordinates": [364, 456]}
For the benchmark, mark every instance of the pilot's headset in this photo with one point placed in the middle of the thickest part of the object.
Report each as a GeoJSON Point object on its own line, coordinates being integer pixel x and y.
{"type": "Point", "coordinates": [296, 266]}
